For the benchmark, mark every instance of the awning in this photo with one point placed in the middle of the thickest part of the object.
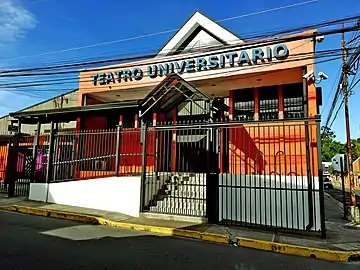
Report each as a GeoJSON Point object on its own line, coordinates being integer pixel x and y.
{"type": "Point", "coordinates": [70, 113]}
{"type": "Point", "coordinates": [170, 93]}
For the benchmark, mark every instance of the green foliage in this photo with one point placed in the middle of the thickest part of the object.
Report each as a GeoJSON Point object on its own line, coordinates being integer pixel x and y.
{"type": "Point", "coordinates": [331, 147]}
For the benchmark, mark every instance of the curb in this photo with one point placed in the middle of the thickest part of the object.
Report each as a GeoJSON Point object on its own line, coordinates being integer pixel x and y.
{"type": "Point", "coordinates": [303, 251]}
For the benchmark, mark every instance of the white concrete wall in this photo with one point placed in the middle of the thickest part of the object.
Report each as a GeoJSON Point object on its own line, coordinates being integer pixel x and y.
{"type": "Point", "coordinates": [285, 208]}
{"type": "Point", "coordinates": [116, 194]}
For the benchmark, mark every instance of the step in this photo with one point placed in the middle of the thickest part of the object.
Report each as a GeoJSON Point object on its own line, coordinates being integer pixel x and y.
{"type": "Point", "coordinates": [199, 204]}
{"type": "Point", "coordinates": [188, 194]}
{"type": "Point", "coordinates": [179, 205]}
{"type": "Point", "coordinates": [187, 212]}
{"type": "Point", "coordinates": [191, 188]}
{"type": "Point", "coordinates": [184, 206]}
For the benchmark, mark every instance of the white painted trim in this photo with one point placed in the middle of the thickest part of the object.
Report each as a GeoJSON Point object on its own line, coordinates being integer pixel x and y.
{"type": "Point", "coordinates": [191, 25]}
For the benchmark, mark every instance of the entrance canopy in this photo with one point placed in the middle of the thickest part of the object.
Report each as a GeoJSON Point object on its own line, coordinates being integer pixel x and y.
{"type": "Point", "coordinates": [169, 94]}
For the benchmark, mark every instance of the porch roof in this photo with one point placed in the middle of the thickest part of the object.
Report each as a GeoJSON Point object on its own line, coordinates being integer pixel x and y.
{"type": "Point", "coordinates": [70, 113]}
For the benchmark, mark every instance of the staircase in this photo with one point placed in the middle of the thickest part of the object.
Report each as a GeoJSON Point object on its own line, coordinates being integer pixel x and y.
{"type": "Point", "coordinates": [182, 194]}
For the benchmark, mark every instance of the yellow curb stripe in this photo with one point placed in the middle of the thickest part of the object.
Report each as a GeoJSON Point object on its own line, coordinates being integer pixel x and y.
{"type": "Point", "coordinates": [187, 233]}
{"type": "Point", "coordinates": [324, 254]}
{"type": "Point", "coordinates": [138, 227]}
{"type": "Point", "coordinates": [8, 208]}
{"type": "Point", "coordinates": [216, 238]}
{"type": "Point", "coordinates": [32, 211]}
{"type": "Point", "coordinates": [73, 217]}
{"type": "Point", "coordinates": [330, 255]}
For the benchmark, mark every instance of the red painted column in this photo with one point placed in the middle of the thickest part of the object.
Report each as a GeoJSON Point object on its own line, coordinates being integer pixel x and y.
{"type": "Point", "coordinates": [136, 120]}
{"type": "Point", "coordinates": [120, 168]}
{"type": "Point", "coordinates": [154, 119]}
{"type": "Point", "coordinates": [256, 104]}
{"type": "Point", "coordinates": [120, 120]}
{"type": "Point", "coordinates": [231, 105]}
{"type": "Point", "coordinates": [281, 101]}
{"type": "Point", "coordinates": [173, 144]}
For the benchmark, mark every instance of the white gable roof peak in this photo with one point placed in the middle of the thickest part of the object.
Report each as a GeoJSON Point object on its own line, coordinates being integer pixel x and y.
{"type": "Point", "coordinates": [200, 29]}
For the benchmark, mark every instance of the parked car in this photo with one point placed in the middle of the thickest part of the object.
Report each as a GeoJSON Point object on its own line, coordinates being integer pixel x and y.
{"type": "Point", "coordinates": [327, 183]}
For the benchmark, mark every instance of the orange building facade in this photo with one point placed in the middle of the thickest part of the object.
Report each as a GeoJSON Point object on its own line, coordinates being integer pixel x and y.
{"type": "Point", "coordinates": [259, 84]}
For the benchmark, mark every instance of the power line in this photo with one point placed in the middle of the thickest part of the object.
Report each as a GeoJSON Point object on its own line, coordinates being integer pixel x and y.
{"type": "Point", "coordinates": [160, 60]}
{"type": "Point", "coordinates": [224, 74]}
{"type": "Point", "coordinates": [337, 112]}
{"type": "Point", "coordinates": [254, 35]}
{"type": "Point", "coordinates": [332, 90]}
{"type": "Point", "coordinates": [157, 33]}
{"type": "Point", "coordinates": [208, 48]}
{"type": "Point", "coordinates": [294, 57]}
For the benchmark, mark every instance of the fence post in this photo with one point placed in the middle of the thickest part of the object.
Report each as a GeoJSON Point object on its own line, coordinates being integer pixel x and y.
{"type": "Point", "coordinates": [156, 163]}
{"type": "Point", "coordinates": [143, 141]}
{"type": "Point", "coordinates": [49, 165]}
{"type": "Point", "coordinates": [321, 180]}
{"type": "Point", "coordinates": [14, 160]}
{"type": "Point", "coordinates": [117, 158]}
{"type": "Point", "coordinates": [212, 177]}
{"type": "Point", "coordinates": [34, 152]}
{"type": "Point", "coordinates": [343, 187]}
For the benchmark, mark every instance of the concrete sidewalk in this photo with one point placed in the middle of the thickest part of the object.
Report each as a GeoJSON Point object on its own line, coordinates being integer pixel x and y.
{"type": "Point", "coordinates": [342, 243]}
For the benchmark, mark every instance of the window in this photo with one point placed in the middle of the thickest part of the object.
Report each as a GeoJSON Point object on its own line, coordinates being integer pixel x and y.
{"type": "Point", "coordinates": [293, 101]}
{"type": "Point", "coordinates": [244, 104]}
{"type": "Point", "coordinates": [269, 103]}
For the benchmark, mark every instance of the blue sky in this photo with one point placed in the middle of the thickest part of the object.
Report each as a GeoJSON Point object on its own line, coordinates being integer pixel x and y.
{"type": "Point", "coordinates": [30, 27]}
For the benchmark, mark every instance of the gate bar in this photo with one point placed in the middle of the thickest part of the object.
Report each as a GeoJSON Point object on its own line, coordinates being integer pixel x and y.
{"type": "Point", "coordinates": [34, 153]}
{"type": "Point", "coordinates": [51, 154]}
{"type": "Point", "coordinates": [143, 141]}
{"type": "Point", "coordinates": [321, 181]}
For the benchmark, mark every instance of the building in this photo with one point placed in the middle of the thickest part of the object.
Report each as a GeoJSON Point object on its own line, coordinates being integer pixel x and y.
{"type": "Point", "coordinates": [66, 100]}
{"type": "Point", "coordinates": [356, 167]}
{"type": "Point", "coordinates": [326, 166]}
{"type": "Point", "coordinates": [223, 119]}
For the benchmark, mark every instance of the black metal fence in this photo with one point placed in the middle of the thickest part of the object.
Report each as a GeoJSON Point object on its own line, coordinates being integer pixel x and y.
{"type": "Point", "coordinates": [77, 155]}
{"type": "Point", "coordinates": [254, 174]}
{"type": "Point", "coordinates": [262, 173]}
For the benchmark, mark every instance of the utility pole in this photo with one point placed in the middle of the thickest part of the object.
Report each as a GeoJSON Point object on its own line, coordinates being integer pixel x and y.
{"type": "Point", "coordinates": [347, 122]}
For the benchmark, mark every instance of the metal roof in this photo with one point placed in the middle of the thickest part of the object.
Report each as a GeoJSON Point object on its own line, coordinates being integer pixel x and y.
{"type": "Point", "coordinates": [70, 113]}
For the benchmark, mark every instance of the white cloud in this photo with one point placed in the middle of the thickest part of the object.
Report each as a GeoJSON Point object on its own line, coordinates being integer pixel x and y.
{"type": "Point", "coordinates": [15, 21]}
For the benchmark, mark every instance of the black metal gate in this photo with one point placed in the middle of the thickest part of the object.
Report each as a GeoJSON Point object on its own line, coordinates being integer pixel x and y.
{"type": "Point", "coordinates": [255, 174]}
{"type": "Point", "coordinates": [18, 171]}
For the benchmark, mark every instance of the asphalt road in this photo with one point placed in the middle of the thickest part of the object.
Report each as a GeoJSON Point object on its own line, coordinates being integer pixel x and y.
{"type": "Point", "coordinates": [31, 242]}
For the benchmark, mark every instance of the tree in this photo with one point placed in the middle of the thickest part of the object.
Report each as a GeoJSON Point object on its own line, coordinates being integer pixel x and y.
{"type": "Point", "coordinates": [330, 147]}
{"type": "Point", "coordinates": [327, 133]}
